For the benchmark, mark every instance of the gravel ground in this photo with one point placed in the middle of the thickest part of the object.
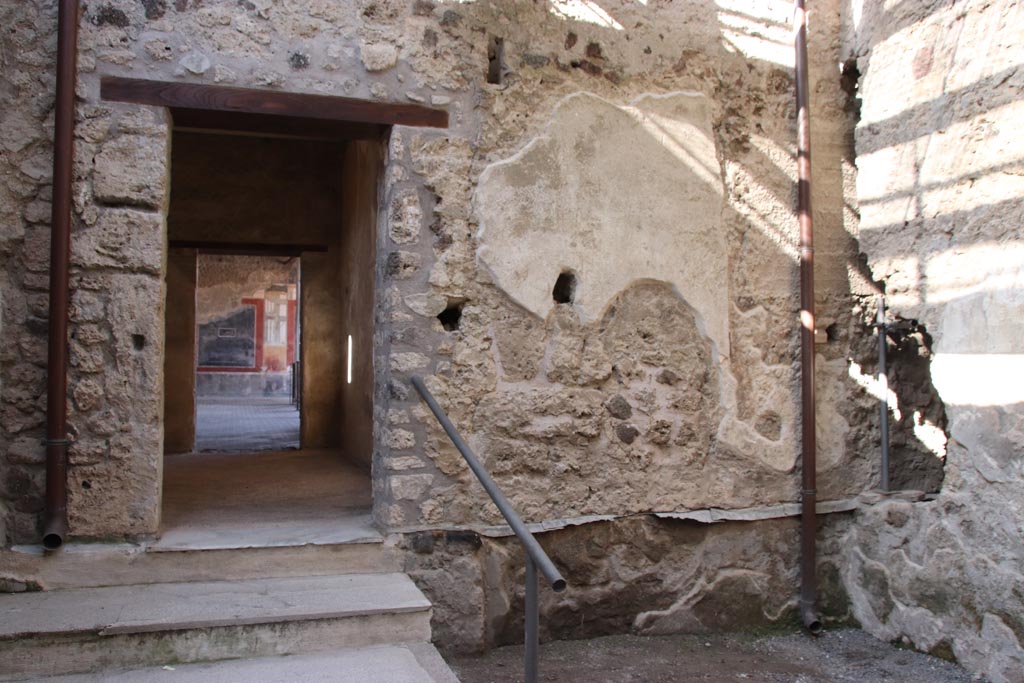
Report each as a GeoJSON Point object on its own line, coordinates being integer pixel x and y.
{"type": "Point", "coordinates": [838, 656]}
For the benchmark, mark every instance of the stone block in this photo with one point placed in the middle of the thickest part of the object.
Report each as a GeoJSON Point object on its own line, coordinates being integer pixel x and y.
{"type": "Point", "coordinates": [132, 170]}
{"type": "Point", "coordinates": [27, 450]}
{"type": "Point", "coordinates": [401, 439]}
{"type": "Point", "coordinates": [410, 486]}
{"type": "Point", "coordinates": [405, 218]}
{"type": "Point", "coordinates": [124, 239]}
{"type": "Point", "coordinates": [378, 56]}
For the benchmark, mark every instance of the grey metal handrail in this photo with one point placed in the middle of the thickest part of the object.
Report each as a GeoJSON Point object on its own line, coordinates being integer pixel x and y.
{"type": "Point", "coordinates": [536, 558]}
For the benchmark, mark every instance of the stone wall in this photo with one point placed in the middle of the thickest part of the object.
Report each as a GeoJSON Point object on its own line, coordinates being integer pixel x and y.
{"type": "Point", "coordinates": [120, 201]}
{"type": "Point", "coordinates": [660, 182]}
{"type": "Point", "coordinates": [640, 354]}
{"type": "Point", "coordinates": [636, 574]}
{"type": "Point", "coordinates": [941, 175]}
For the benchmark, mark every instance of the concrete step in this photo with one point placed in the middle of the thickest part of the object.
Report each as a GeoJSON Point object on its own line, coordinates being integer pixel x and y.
{"type": "Point", "coordinates": [413, 663]}
{"type": "Point", "coordinates": [83, 565]}
{"type": "Point", "coordinates": [95, 629]}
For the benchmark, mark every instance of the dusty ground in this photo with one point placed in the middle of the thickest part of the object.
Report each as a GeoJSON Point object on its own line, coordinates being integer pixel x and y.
{"type": "Point", "coordinates": [838, 656]}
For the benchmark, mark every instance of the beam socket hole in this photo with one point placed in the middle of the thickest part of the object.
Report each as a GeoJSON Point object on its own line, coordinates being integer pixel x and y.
{"type": "Point", "coordinates": [565, 288]}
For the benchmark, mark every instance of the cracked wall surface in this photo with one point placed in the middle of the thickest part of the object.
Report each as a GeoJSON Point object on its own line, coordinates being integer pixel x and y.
{"type": "Point", "coordinates": [941, 174]}
{"type": "Point", "coordinates": [637, 574]}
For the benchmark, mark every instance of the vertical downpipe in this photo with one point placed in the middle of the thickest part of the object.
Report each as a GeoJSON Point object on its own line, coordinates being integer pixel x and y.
{"type": "Point", "coordinates": [808, 520]}
{"type": "Point", "coordinates": [883, 387]}
{"type": "Point", "coordinates": [55, 522]}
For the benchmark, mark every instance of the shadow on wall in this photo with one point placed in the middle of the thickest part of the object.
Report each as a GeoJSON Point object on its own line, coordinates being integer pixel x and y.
{"type": "Point", "coordinates": [941, 173]}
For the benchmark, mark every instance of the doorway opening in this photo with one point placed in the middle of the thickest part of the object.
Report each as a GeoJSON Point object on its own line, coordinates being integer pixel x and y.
{"type": "Point", "coordinates": [270, 173]}
{"type": "Point", "coordinates": [247, 353]}
{"type": "Point", "coordinates": [268, 358]}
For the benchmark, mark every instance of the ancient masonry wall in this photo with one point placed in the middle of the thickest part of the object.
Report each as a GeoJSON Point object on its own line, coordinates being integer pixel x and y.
{"type": "Point", "coordinates": [118, 258]}
{"type": "Point", "coordinates": [941, 175]}
{"type": "Point", "coordinates": [642, 154]}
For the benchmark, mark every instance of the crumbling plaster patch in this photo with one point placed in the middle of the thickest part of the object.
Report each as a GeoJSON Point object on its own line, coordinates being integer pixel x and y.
{"type": "Point", "coordinates": [620, 195]}
{"type": "Point", "coordinates": [613, 194]}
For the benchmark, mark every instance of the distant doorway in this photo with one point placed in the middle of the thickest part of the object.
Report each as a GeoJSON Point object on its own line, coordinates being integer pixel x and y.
{"type": "Point", "coordinates": [247, 353]}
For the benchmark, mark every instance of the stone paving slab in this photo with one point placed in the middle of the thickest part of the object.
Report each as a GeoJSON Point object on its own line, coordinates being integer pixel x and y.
{"type": "Point", "coordinates": [285, 498]}
{"type": "Point", "coordinates": [327, 529]}
{"type": "Point", "coordinates": [418, 663]}
{"type": "Point", "coordinates": [84, 565]}
{"type": "Point", "coordinates": [177, 606]}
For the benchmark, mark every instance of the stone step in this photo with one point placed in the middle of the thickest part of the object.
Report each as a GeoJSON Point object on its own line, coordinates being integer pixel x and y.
{"type": "Point", "coordinates": [86, 565]}
{"type": "Point", "coordinates": [95, 629]}
{"type": "Point", "coordinates": [412, 663]}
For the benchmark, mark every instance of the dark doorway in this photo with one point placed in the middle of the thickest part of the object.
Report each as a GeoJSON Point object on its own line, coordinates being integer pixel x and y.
{"type": "Point", "coordinates": [268, 375]}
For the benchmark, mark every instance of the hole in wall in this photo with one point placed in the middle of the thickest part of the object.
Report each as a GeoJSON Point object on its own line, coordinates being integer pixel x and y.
{"type": "Point", "coordinates": [565, 288]}
{"type": "Point", "coordinates": [849, 79]}
{"type": "Point", "coordinates": [86, 485]}
{"type": "Point", "coordinates": [495, 59]}
{"type": "Point", "coordinates": [832, 332]}
{"type": "Point", "coordinates": [451, 317]}
{"type": "Point", "coordinates": [138, 342]}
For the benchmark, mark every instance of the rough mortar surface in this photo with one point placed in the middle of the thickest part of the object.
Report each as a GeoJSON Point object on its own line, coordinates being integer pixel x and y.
{"type": "Point", "coordinates": [940, 176]}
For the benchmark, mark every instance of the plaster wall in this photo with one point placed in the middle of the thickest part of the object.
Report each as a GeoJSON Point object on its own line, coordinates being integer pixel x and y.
{"type": "Point", "coordinates": [323, 353]}
{"type": "Point", "coordinates": [941, 174]}
{"type": "Point", "coordinates": [362, 171]}
{"type": "Point", "coordinates": [256, 190]}
{"type": "Point", "coordinates": [223, 282]}
{"type": "Point", "coordinates": [179, 354]}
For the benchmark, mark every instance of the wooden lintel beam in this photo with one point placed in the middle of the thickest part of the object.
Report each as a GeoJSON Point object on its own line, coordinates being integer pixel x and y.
{"type": "Point", "coordinates": [250, 101]}
{"type": "Point", "coordinates": [237, 123]}
{"type": "Point", "coordinates": [247, 248]}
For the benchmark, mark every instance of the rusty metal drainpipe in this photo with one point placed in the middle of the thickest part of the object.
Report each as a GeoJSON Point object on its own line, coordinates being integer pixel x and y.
{"type": "Point", "coordinates": [808, 519]}
{"type": "Point", "coordinates": [55, 523]}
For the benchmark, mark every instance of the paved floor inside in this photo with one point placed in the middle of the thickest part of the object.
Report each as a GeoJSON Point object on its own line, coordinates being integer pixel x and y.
{"type": "Point", "coordinates": [244, 500]}
{"type": "Point", "coordinates": [230, 424]}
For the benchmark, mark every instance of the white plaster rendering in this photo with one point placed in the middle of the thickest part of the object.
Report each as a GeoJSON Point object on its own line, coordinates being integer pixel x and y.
{"type": "Point", "coordinates": [613, 194]}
